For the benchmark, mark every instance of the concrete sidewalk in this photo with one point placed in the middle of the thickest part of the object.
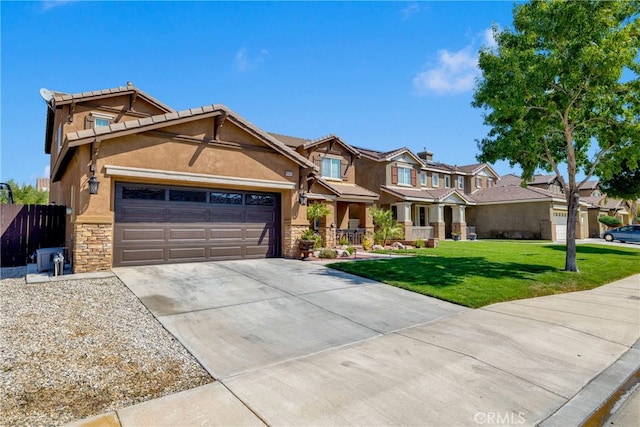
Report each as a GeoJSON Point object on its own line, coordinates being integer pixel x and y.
{"type": "Point", "coordinates": [551, 361]}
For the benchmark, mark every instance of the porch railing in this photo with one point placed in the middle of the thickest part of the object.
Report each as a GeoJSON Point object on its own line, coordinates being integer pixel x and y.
{"type": "Point", "coordinates": [353, 235]}
{"type": "Point", "coordinates": [421, 233]}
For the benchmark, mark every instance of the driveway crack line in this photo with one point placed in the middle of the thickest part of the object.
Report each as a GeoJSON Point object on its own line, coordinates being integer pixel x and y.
{"type": "Point", "coordinates": [485, 363]}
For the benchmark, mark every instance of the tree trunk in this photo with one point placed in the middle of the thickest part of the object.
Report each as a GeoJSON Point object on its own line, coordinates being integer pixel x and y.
{"type": "Point", "coordinates": [634, 212]}
{"type": "Point", "coordinates": [572, 216]}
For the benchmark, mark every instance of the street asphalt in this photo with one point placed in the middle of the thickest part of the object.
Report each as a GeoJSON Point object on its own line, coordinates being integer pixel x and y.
{"type": "Point", "coordinates": [295, 343]}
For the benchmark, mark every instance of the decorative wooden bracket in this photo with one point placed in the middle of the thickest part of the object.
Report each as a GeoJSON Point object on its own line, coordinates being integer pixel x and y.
{"type": "Point", "coordinates": [95, 148]}
{"type": "Point", "coordinates": [72, 109]}
{"type": "Point", "coordinates": [133, 98]}
{"type": "Point", "coordinates": [218, 121]}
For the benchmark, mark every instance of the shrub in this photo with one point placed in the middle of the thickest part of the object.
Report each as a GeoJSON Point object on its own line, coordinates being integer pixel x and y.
{"type": "Point", "coordinates": [344, 241]}
{"type": "Point", "coordinates": [327, 253]}
{"type": "Point", "coordinates": [350, 249]}
{"type": "Point", "coordinates": [610, 221]}
{"type": "Point", "coordinates": [419, 244]}
{"type": "Point", "coordinates": [367, 242]}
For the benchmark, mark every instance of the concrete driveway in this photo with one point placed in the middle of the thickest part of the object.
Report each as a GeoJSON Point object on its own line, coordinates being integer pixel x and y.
{"type": "Point", "coordinates": [294, 343]}
{"type": "Point", "coordinates": [239, 316]}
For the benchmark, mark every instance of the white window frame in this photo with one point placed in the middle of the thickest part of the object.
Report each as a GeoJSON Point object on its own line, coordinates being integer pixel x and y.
{"type": "Point", "coordinates": [461, 183]}
{"type": "Point", "coordinates": [434, 180]}
{"type": "Point", "coordinates": [332, 161]}
{"type": "Point", "coordinates": [100, 116]}
{"type": "Point", "coordinates": [478, 182]}
{"type": "Point", "coordinates": [423, 178]}
{"type": "Point", "coordinates": [447, 181]}
{"type": "Point", "coordinates": [404, 176]}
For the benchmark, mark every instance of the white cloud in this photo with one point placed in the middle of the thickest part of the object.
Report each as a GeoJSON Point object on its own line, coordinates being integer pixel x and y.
{"type": "Point", "coordinates": [410, 10]}
{"type": "Point", "coordinates": [243, 61]}
{"type": "Point", "coordinates": [488, 40]}
{"type": "Point", "coordinates": [455, 72]}
{"type": "Point", "coordinates": [50, 4]}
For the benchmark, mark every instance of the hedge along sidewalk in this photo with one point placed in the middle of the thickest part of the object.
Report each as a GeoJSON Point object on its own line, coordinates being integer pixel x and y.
{"type": "Point", "coordinates": [479, 273]}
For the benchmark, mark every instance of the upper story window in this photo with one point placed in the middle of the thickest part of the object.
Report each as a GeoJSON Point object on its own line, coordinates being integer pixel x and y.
{"type": "Point", "coordinates": [597, 193]}
{"type": "Point", "coordinates": [447, 181]}
{"type": "Point", "coordinates": [461, 183]}
{"type": "Point", "coordinates": [478, 182]}
{"type": "Point", "coordinates": [96, 120]}
{"type": "Point", "coordinates": [423, 178]}
{"type": "Point", "coordinates": [331, 168]}
{"type": "Point", "coordinates": [404, 176]}
{"type": "Point", "coordinates": [434, 180]}
{"type": "Point", "coordinates": [489, 182]}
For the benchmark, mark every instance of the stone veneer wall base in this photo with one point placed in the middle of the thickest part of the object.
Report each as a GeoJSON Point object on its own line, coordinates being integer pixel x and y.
{"type": "Point", "coordinates": [92, 247]}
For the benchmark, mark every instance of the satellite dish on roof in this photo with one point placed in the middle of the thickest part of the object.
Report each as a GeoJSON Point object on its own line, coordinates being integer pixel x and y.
{"type": "Point", "coordinates": [46, 94]}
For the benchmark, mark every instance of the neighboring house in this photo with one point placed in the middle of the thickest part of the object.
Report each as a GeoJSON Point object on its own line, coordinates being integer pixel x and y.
{"type": "Point", "coordinates": [177, 186]}
{"type": "Point", "coordinates": [427, 198]}
{"type": "Point", "coordinates": [335, 186]}
{"type": "Point", "coordinates": [550, 183]}
{"type": "Point", "coordinates": [510, 211]}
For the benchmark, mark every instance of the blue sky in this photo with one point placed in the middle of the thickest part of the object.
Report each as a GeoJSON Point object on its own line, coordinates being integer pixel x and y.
{"type": "Point", "coordinates": [381, 75]}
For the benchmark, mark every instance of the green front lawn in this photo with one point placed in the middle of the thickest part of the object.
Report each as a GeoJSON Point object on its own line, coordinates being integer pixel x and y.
{"type": "Point", "coordinates": [479, 273]}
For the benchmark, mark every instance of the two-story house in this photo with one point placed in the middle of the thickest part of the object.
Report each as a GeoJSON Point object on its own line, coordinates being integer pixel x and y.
{"type": "Point", "coordinates": [429, 199]}
{"type": "Point", "coordinates": [335, 185]}
{"type": "Point", "coordinates": [145, 184]}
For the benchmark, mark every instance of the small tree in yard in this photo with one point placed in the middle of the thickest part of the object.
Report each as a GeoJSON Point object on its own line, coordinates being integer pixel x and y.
{"type": "Point", "coordinates": [316, 211]}
{"type": "Point", "coordinates": [563, 80]}
{"type": "Point", "coordinates": [385, 227]}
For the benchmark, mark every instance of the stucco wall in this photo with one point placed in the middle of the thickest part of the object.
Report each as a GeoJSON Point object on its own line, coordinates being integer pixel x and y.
{"type": "Point", "coordinates": [512, 221]}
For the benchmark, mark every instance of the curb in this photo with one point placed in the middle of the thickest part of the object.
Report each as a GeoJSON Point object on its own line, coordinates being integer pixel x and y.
{"type": "Point", "coordinates": [593, 404]}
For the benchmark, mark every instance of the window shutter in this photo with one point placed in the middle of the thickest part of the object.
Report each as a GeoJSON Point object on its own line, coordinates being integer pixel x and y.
{"type": "Point", "coordinates": [88, 122]}
{"type": "Point", "coordinates": [394, 174]}
{"type": "Point", "coordinates": [343, 169]}
{"type": "Point", "coordinates": [414, 177]}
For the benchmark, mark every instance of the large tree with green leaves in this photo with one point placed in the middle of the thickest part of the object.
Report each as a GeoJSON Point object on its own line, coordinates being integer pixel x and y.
{"type": "Point", "coordinates": [561, 89]}
{"type": "Point", "coordinates": [625, 185]}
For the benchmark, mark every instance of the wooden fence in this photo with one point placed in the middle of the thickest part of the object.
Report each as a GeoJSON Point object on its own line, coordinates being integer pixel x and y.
{"type": "Point", "coordinates": [26, 228]}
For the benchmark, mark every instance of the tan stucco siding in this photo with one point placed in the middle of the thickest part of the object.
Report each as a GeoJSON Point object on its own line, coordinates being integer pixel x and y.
{"type": "Point", "coordinates": [514, 220]}
{"type": "Point", "coordinates": [370, 174]}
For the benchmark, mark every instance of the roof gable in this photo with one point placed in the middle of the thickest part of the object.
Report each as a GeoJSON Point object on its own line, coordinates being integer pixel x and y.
{"type": "Point", "coordinates": [131, 127]}
{"type": "Point", "coordinates": [61, 98]}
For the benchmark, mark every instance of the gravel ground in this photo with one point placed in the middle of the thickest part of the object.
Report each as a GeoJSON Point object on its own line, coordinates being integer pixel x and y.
{"type": "Point", "coordinates": [77, 348]}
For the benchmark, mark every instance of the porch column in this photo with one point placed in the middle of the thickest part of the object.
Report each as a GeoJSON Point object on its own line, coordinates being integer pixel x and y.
{"type": "Point", "coordinates": [366, 220]}
{"type": "Point", "coordinates": [458, 222]}
{"type": "Point", "coordinates": [325, 230]}
{"type": "Point", "coordinates": [436, 220]}
{"type": "Point", "coordinates": [404, 219]}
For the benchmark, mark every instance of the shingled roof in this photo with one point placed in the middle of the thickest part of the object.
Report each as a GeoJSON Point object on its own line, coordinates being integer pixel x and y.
{"type": "Point", "coordinates": [61, 98]}
{"type": "Point", "coordinates": [347, 190]}
{"type": "Point", "coordinates": [513, 194]}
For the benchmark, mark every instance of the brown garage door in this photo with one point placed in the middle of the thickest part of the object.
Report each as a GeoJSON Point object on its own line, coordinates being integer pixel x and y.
{"type": "Point", "coordinates": [157, 224]}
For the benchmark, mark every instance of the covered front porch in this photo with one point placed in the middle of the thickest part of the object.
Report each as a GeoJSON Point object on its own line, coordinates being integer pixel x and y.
{"type": "Point", "coordinates": [426, 214]}
{"type": "Point", "coordinates": [349, 218]}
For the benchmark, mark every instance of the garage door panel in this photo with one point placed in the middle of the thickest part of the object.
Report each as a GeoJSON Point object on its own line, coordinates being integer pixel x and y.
{"type": "Point", "coordinates": [187, 215]}
{"type": "Point", "coordinates": [142, 254]}
{"type": "Point", "coordinates": [226, 252]}
{"type": "Point", "coordinates": [233, 216]}
{"type": "Point", "coordinates": [195, 253]}
{"type": "Point", "coordinates": [142, 234]}
{"type": "Point", "coordinates": [260, 217]}
{"type": "Point", "coordinates": [141, 214]}
{"type": "Point", "coordinates": [189, 234]}
{"type": "Point", "coordinates": [162, 229]}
